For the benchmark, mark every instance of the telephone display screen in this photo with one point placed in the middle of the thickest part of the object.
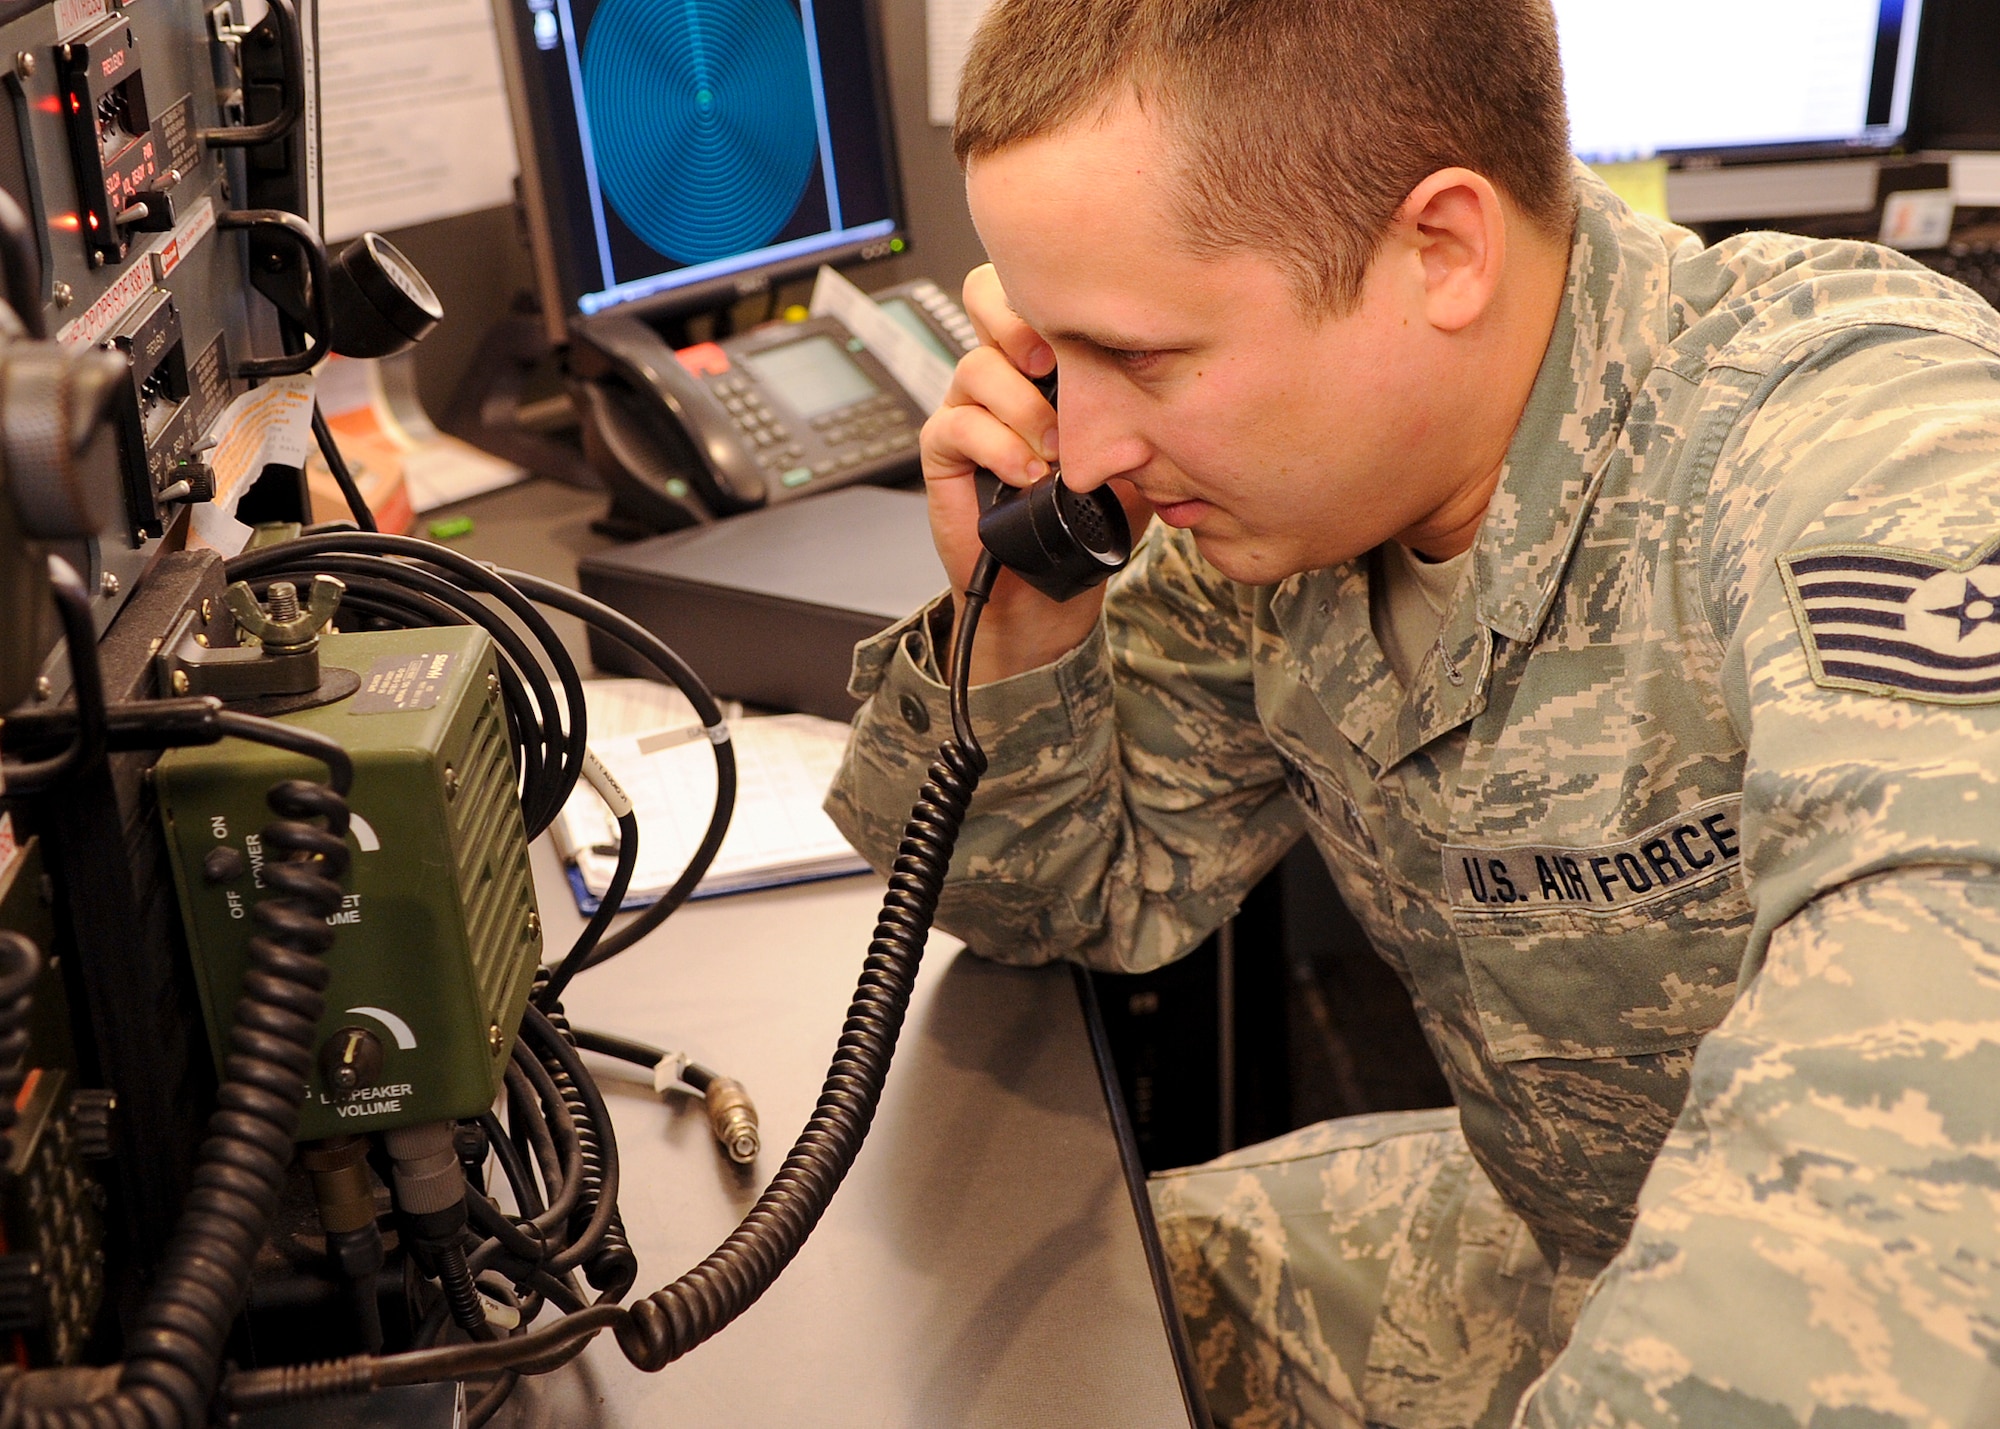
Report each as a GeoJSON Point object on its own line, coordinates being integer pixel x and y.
{"type": "Point", "coordinates": [907, 317]}
{"type": "Point", "coordinates": [810, 376]}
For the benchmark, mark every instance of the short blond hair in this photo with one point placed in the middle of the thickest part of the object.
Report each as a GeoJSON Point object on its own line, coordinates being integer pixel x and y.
{"type": "Point", "coordinates": [1300, 125]}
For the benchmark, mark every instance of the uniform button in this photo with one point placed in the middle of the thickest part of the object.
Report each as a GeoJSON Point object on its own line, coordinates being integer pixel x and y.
{"type": "Point", "coordinates": [914, 714]}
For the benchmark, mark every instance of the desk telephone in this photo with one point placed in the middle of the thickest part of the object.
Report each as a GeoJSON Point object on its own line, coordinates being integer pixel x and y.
{"type": "Point", "coordinates": [785, 410]}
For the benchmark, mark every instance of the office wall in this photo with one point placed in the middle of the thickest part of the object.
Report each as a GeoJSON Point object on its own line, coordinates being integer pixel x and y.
{"type": "Point", "coordinates": [478, 262]}
{"type": "Point", "coordinates": [943, 244]}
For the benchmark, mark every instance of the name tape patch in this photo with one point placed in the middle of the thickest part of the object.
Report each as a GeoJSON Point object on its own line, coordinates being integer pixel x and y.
{"type": "Point", "coordinates": [1693, 848]}
{"type": "Point", "coordinates": [1902, 623]}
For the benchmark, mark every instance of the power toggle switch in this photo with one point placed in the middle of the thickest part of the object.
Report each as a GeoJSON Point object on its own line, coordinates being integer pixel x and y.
{"type": "Point", "coordinates": [349, 1060]}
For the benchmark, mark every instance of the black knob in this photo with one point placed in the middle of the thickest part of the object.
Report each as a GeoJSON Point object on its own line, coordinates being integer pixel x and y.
{"type": "Point", "coordinates": [349, 1060]}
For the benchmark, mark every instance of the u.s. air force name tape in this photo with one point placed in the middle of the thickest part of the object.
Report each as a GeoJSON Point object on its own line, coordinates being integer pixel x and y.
{"type": "Point", "coordinates": [1675, 854]}
{"type": "Point", "coordinates": [1886, 621]}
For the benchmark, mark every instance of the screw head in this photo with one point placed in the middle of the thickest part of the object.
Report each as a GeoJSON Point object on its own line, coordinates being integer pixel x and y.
{"type": "Point", "coordinates": [180, 682]}
{"type": "Point", "coordinates": [207, 610]}
{"type": "Point", "coordinates": [24, 63]}
{"type": "Point", "coordinates": [64, 294]}
{"type": "Point", "coordinates": [43, 688]}
{"type": "Point", "coordinates": [495, 1038]}
{"type": "Point", "coordinates": [492, 682]}
{"type": "Point", "coordinates": [534, 923]}
{"type": "Point", "coordinates": [450, 782]}
{"type": "Point", "coordinates": [108, 583]}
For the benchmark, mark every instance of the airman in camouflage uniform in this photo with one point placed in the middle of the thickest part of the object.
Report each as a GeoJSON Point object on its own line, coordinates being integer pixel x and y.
{"type": "Point", "coordinates": [1683, 837]}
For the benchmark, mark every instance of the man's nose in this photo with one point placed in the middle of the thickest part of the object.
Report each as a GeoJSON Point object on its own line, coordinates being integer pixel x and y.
{"type": "Point", "coordinates": [1097, 438]}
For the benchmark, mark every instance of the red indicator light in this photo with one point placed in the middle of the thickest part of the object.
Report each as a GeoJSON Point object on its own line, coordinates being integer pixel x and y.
{"type": "Point", "coordinates": [49, 104]}
{"type": "Point", "coordinates": [66, 222]}
{"type": "Point", "coordinates": [93, 223]}
{"type": "Point", "coordinates": [75, 105]}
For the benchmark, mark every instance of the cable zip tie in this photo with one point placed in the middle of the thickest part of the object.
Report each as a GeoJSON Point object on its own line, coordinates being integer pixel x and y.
{"type": "Point", "coordinates": [718, 733]}
{"type": "Point", "coordinates": [667, 1074]}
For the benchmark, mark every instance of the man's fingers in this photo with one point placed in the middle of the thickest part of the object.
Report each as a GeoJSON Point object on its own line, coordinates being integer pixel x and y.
{"type": "Point", "coordinates": [958, 438]}
{"type": "Point", "coordinates": [985, 378]}
{"type": "Point", "coordinates": [1000, 327]}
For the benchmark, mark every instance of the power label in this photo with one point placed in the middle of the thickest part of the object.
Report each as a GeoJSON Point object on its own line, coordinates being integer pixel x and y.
{"type": "Point", "coordinates": [397, 684]}
{"type": "Point", "coordinates": [1701, 845]}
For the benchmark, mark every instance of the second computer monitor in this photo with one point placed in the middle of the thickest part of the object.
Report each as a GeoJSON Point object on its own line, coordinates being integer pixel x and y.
{"type": "Point", "coordinates": [1737, 79]}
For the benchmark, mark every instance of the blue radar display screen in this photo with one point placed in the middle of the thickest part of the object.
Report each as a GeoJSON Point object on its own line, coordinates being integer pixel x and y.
{"type": "Point", "coordinates": [688, 152]}
{"type": "Point", "coordinates": [715, 136]}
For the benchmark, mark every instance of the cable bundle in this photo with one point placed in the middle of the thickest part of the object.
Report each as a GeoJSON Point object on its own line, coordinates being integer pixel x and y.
{"type": "Point", "coordinates": [555, 1149]}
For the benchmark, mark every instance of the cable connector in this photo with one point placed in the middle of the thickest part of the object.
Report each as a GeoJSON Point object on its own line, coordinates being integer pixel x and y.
{"type": "Point", "coordinates": [732, 1116]}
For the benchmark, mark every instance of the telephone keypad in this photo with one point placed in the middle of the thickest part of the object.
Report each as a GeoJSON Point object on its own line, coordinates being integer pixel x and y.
{"type": "Point", "coordinates": [797, 454]}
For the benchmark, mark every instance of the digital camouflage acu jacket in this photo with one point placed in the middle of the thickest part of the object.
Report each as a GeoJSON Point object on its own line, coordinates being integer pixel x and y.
{"type": "Point", "coordinates": [1707, 755]}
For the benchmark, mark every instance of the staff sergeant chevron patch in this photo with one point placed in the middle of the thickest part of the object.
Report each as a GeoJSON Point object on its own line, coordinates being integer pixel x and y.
{"type": "Point", "coordinates": [1894, 622]}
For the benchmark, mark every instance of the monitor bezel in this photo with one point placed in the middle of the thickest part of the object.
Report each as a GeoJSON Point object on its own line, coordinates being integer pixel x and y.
{"type": "Point", "coordinates": [559, 291]}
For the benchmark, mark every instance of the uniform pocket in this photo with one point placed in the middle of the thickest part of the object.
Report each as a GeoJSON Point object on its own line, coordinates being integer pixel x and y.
{"type": "Point", "coordinates": [1618, 950]}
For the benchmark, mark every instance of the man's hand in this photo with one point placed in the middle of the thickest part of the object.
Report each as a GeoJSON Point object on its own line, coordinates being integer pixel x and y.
{"type": "Point", "coordinates": [993, 417]}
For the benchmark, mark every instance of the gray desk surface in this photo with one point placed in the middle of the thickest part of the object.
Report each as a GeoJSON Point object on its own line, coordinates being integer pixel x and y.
{"type": "Point", "coordinates": [981, 1266]}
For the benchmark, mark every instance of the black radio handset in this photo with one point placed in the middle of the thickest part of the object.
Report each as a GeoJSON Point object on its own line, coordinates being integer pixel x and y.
{"type": "Point", "coordinates": [1059, 541]}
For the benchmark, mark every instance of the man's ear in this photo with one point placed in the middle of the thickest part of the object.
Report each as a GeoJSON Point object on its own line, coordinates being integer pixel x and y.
{"type": "Point", "coordinates": [1458, 225]}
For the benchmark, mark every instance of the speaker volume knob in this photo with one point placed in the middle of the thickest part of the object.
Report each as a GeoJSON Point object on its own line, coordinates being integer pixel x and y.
{"type": "Point", "coordinates": [350, 1060]}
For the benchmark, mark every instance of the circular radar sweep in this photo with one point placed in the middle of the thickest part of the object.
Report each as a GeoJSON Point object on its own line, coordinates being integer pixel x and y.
{"type": "Point", "coordinates": [702, 120]}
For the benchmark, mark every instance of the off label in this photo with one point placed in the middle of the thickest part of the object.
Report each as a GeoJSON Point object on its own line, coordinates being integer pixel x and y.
{"type": "Point", "coordinates": [1700, 845]}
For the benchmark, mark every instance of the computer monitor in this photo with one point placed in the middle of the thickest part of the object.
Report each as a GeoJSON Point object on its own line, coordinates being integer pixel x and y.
{"type": "Point", "coordinates": [1737, 80]}
{"type": "Point", "coordinates": [1958, 77]}
{"type": "Point", "coordinates": [676, 156]}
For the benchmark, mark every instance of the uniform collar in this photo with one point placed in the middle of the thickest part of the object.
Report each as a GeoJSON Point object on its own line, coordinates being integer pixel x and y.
{"type": "Point", "coordinates": [1615, 318]}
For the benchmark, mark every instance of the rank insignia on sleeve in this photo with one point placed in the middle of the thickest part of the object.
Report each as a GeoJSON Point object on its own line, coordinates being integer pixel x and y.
{"type": "Point", "coordinates": [1892, 622]}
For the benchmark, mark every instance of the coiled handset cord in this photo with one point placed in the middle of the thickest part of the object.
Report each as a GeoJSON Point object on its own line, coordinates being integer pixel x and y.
{"type": "Point", "coordinates": [666, 1324]}
{"type": "Point", "coordinates": [670, 1322]}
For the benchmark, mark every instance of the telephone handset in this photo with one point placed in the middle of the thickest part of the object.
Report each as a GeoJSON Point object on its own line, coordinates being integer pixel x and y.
{"type": "Point", "coordinates": [782, 411]}
{"type": "Point", "coordinates": [1059, 541]}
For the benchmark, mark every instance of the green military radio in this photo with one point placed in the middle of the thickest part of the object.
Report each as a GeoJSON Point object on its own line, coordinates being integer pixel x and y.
{"type": "Point", "coordinates": [439, 936]}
